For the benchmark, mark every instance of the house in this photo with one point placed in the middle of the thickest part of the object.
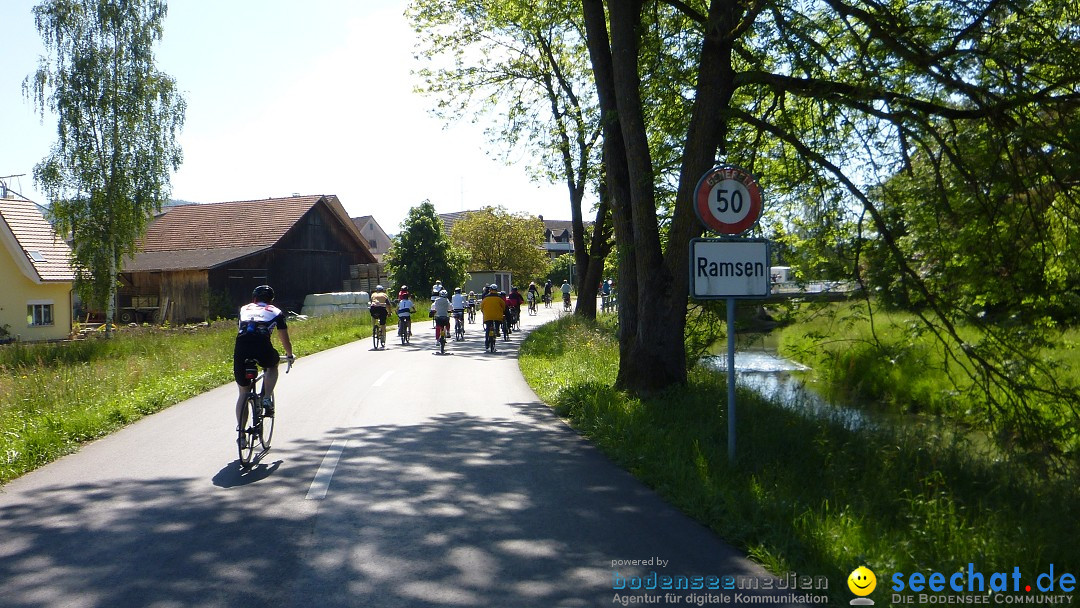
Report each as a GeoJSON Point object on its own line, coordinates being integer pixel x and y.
{"type": "Point", "coordinates": [198, 262]}
{"type": "Point", "coordinates": [558, 237]}
{"type": "Point", "coordinates": [378, 242]}
{"type": "Point", "coordinates": [35, 272]}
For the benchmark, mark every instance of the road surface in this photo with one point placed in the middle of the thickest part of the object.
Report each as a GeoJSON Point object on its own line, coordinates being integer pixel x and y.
{"type": "Point", "coordinates": [396, 478]}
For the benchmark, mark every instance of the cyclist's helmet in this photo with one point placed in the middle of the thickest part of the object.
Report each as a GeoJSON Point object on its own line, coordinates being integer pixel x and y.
{"type": "Point", "coordinates": [404, 288]}
{"type": "Point", "coordinates": [442, 293]}
{"type": "Point", "coordinates": [457, 290]}
{"type": "Point", "coordinates": [493, 287]}
{"type": "Point", "coordinates": [263, 293]}
{"type": "Point", "coordinates": [380, 288]}
{"type": "Point", "coordinates": [502, 293]}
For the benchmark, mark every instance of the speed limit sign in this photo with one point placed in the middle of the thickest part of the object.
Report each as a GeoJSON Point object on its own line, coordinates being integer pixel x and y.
{"type": "Point", "coordinates": [728, 200]}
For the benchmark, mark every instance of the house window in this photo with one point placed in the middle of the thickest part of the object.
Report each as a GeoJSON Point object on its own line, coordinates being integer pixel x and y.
{"type": "Point", "coordinates": [372, 244]}
{"type": "Point", "coordinates": [39, 314]}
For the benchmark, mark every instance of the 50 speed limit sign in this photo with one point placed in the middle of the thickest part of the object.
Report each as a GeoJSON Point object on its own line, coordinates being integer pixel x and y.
{"type": "Point", "coordinates": [728, 200]}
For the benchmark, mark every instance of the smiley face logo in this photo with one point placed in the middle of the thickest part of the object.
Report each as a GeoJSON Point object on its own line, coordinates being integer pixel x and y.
{"type": "Point", "coordinates": [862, 581]}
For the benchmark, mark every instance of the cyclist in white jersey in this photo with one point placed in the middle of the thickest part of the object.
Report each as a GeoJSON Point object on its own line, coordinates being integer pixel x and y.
{"type": "Point", "coordinates": [258, 320]}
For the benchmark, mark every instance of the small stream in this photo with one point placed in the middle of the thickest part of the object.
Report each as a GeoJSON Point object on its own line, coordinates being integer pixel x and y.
{"type": "Point", "coordinates": [759, 367]}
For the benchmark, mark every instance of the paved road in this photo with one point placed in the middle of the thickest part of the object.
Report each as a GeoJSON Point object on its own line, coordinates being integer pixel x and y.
{"type": "Point", "coordinates": [397, 478]}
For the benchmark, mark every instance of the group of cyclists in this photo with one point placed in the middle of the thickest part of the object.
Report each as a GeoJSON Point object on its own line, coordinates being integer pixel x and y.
{"type": "Point", "coordinates": [259, 319]}
{"type": "Point", "coordinates": [498, 308]}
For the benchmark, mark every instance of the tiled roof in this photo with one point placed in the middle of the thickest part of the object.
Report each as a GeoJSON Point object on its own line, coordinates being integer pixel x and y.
{"type": "Point", "coordinates": [206, 236]}
{"type": "Point", "coordinates": [30, 238]}
{"type": "Point", "coordinates": [258, 223]}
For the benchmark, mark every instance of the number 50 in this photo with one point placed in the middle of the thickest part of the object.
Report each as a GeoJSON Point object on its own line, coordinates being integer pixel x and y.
{"type": "Point", "coordinates": [723, 202]}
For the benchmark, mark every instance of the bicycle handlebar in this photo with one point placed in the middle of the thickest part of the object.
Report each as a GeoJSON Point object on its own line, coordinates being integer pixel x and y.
{"type": "Point", "coordinates": [287, 359]}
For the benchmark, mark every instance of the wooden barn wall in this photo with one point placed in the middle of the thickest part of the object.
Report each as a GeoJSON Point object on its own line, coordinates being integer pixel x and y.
{"type": "Point", "coordinates": [313, 257]}
{"type": "Point", "coordinates": [187, 292]}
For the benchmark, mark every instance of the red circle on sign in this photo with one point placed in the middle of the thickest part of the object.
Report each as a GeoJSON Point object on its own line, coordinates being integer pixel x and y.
{"type": "Point", "coordinates": [728, 200]}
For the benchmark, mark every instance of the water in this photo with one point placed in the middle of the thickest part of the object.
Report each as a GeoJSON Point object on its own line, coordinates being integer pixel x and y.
{"type": "Point", "coordinates": [762, 370]}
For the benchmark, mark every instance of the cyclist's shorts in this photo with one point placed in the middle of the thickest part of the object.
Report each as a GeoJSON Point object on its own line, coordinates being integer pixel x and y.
{"type": "Point", "coordinates": [260, 350]}
{"type": "Point", "coordinates": [379, 312]}
{"type": "Point", "coordinates": [442, 321]}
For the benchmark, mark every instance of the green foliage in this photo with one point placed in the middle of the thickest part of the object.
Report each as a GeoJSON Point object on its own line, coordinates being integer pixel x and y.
{"type": "Point", "coordinates": [560, 270]}
{"type": "Point", "coordinates": [496, 239]}
{"type": "Point", "coordinates": [422, 253]}
{"type": "Point", "coordinates": [108, 171]}
{"type": "Point", "coordinates": [891, 499]}
{"type": "Point", "coordinates": [889, 361]}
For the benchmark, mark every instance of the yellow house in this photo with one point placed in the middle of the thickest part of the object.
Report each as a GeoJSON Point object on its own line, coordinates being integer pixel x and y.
{"type": "Point", "coordinates": [36, 277]}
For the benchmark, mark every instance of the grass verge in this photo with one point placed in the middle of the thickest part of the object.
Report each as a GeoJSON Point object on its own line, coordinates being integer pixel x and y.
{"type": "Point", "coordinates": [54, 397]}
{"type": "Point", "coordinates": [807, 495]}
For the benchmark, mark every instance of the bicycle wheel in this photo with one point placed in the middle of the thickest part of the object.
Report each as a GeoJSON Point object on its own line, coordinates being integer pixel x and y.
{"type": "Point", "coordinates": [266, 430]}
{"type": "Point", "coordinates": [245, 440]}
{"type": "Point", "coordinates": [382, 336]}
{"type": "Point", "coordinates": [375, 335]}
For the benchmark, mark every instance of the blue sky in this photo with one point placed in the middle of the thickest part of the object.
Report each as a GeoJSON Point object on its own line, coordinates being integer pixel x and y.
{"type": "Point", "coordinates": [283, 100]}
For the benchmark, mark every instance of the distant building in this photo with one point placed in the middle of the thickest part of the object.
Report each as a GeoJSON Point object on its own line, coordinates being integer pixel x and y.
{"type": "Point", "coordinates": [201, 261]}
{"type": "Point", "coordinates": [558, 237]}
{"type": "Point", "coordinates": [35, 272]}
{"type": "Point", "coordinates": [378, 242]}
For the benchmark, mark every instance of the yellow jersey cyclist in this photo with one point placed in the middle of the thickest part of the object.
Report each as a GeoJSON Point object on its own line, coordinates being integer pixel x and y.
{"type": "Point", "coordinates": [493, 307]}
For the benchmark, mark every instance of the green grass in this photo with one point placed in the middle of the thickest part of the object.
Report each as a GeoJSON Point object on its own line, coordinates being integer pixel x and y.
{"type": "Point", "coordinates": [805, 495]}
{"type": "Point", "coordinates": [54, 397]}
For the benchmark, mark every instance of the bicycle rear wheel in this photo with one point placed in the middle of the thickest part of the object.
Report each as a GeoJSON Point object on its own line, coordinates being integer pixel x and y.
{"type": "Point", "coordinates": [375, 335]}
{"type": "Point", "coordinates": [245, 440]}
{"type": "Point", "coordinates": [266, 430]}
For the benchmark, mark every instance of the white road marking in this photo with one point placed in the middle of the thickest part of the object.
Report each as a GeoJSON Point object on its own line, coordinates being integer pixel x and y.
{"type": "Point", "coordinates": [383, 377]}
{"type": "Point", "coordinates": [321, 483]}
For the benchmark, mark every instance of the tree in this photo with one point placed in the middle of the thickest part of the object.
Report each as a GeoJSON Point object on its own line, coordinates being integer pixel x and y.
{"type": "Point", "coordinates": [422, 253]}
{"type": "Point", "coordinates": [499, 240]}
{"type": "Point", "coordinates": [108, 171]}
{"type": "Point", "coordinates": [525, 61]}
{"type": "Point", "coordinates": [831, 97]}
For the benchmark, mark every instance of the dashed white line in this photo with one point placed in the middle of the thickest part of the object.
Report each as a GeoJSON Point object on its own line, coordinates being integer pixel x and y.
{"type": "Point", "coordinates": [383, 377]}
{"type": "Point", "coordinates": [321, 483]}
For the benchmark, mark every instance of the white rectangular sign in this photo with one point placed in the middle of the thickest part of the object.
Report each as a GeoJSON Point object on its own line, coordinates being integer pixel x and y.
{"type": "Point", "coordinates": [733, 268]}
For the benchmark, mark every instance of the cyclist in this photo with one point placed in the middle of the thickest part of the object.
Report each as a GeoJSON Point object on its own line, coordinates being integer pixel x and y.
{"type": "Point", "coordinates": [493, 307]}
{"type": "Point", "coordinates": [605, 294]}
{"type": "Point", "coordinates": [379, 306]}
{"type": "Point", "coordinates": [405, 308]}
{"type": "Point", "coordinates": [436, 288]}
{"type": "Point", "coordinates": [548, 288]}
{"type": "Point", "coordinates": [566, 293]}
{"type": "Point", "coordinates": [253, 341]}
{"type": "Point", "coordinates": [514, 301]}
{"type": "Point", "coordinates": [470, 302]}
{"type": "Point", "coordinates": [532, 296]}
{"type": "Point", "coordinates": [457, 302]}
{"type": "Point", "coordinates": [442, 315]}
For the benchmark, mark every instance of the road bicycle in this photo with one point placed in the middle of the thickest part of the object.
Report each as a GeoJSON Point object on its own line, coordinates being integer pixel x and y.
{"type": "Point", "coordinates": [490, 336]}
{"type": "Point", "coordinates": [547, 300]}
{"type": "Point", "coordinates": [459, 325]}
{"type": "Point", "coordinates": [378, 333]}
{"type": "Point", "coordinates": [404, 329]}
{"type": "Point", "coordinates": [506, 323]}
{"type": "Point", "coordinates": [472, 312]}
{"type": "Point", "coordinates": [440, 335]}
{"type": "Point", "coordinates": [566, 302]}
{"type": "Point", "coordinates": [532, 305]}
{"type": "Point", "coordinates": [256, 426]}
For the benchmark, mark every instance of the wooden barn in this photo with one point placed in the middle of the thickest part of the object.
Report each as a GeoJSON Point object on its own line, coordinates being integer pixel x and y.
{"type": "Point", "coordinates": [199, 262]}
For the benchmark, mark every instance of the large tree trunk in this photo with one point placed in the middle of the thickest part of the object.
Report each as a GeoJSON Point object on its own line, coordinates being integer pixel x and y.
{"type": "Point", "coordinates": [618, 176]}
{"type": "Point", "coordinates": [654, 286]}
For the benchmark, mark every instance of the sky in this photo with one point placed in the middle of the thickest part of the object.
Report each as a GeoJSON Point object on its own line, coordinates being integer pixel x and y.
{"type": "Point", "coordinates": [285, 100]}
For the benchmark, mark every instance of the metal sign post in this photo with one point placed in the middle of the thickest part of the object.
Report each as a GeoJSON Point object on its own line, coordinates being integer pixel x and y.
{"type": "Point", "coordinates": [727, 200]}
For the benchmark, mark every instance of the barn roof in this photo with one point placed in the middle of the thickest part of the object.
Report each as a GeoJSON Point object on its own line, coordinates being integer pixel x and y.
{"type": "Point", "coordinates": [189, 237]}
